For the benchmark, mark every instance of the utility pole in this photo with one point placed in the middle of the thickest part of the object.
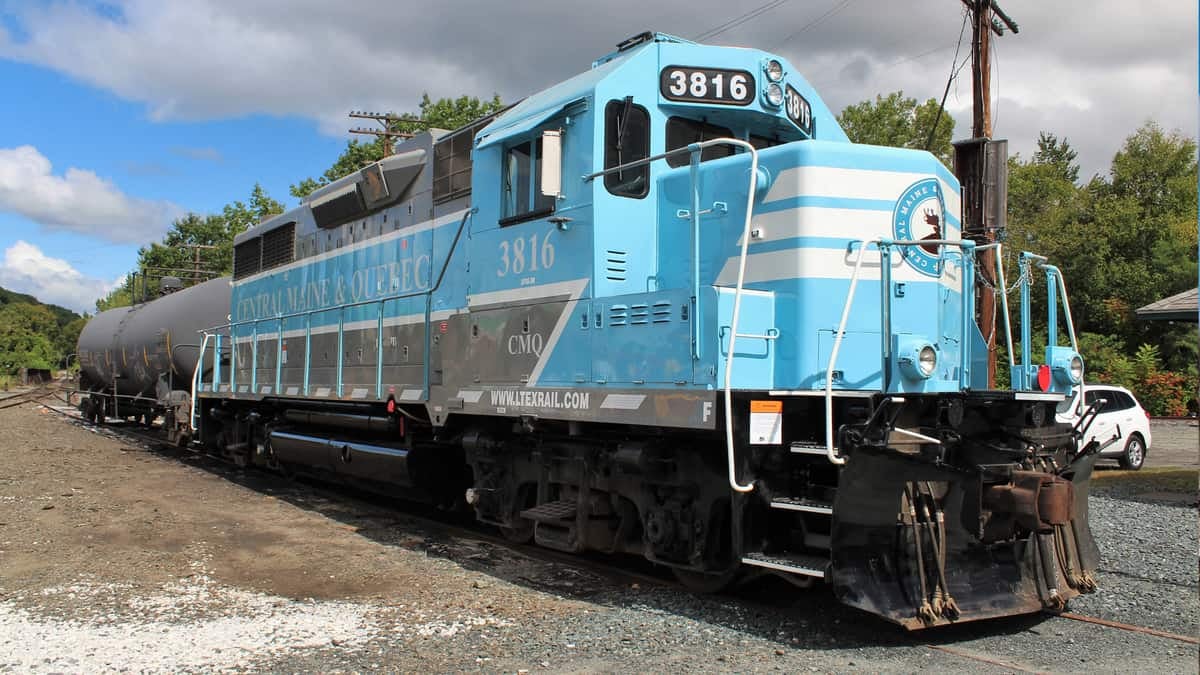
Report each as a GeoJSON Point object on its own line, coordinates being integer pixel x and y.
{"type": "Point", "coordinates": [388, 121]}
{"type": "Point", "coordinates": [196, 271]}
{"type": "Point", "coordinates": [987, 18]}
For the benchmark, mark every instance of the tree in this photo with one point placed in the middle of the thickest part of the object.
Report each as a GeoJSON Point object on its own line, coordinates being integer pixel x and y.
{"type": "Point", "coordinates": [68, 336]}
{"type": "Point", "coordinates": [444, 113]}
{"type": "Point", "coordinates": [1121, 240]}
{"type": "Point", "coordinates": [1057, 154]}
{"type": "Point", "coordinates": [212, 230]}
{"type": "Point", "coordinates": [900, 122]}
{"type": "Point", "coordinates": [27, 337]}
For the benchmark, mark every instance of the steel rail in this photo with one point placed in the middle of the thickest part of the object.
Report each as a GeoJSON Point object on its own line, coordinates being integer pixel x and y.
{"type": "Point", "coordinates": [1130, 627]}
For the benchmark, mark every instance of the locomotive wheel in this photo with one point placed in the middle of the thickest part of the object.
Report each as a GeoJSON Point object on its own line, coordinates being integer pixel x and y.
{"type": "Point", "coordinates": [522, 530]}
{"type": "Point", "coordinates": [521, 534]}
{"type": "Point", "coordinates": [699, 582]}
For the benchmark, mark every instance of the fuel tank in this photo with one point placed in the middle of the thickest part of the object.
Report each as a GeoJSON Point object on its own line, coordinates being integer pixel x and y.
{"type": "Point", "coordinates": [128, 348]}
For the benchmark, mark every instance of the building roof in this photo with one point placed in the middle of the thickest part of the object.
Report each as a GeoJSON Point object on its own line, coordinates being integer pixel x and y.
{"type": "Point", "coordinates": [1180, 307]}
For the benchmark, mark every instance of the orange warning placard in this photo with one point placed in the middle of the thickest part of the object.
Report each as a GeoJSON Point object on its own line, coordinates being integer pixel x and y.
{"type": "Point", "coordinates": [766, 406]}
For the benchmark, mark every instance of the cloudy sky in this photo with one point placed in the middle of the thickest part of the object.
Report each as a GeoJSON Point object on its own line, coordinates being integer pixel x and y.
{"type": "Point", "coordinates": [118, 116]}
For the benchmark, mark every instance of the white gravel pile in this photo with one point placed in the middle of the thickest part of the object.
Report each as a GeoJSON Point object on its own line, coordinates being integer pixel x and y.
{"type": "Point", "coordinates": [190, 624]}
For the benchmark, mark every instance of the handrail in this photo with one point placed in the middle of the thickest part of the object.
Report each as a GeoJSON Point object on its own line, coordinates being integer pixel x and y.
{"type": "Point", "coordinates": [1056, 289]}
{"type": "Point", "coordinates": [687, 149]}
{"type": "Point", "coordinates": [830, 452]}
{"type": "Point", "coordinates": [1062, 293]}
{"type": "Point", "coordinates": [694, 149]}
{"type": "Point", "coordinates": [197, 376]}
{"type": "Point", "coordinates": [341, 309]}
{"type": "Point", "coordinates": [884, 245]}
{"type": "Point", "coordinates": [737, 302]}
{"type": "Point", "coordinates": [1004, 304]}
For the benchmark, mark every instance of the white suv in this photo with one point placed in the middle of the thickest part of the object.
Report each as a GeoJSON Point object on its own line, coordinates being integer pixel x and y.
{"type": "Point", "coordinates": [1119, 412]}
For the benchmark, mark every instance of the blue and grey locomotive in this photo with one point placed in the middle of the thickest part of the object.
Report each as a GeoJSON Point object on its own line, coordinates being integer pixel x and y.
{"type": "Point", "coordinates": [666, 308]}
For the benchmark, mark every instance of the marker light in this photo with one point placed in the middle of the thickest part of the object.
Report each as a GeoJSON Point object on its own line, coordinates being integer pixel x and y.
{"type": "Point", "coordinates": [775, 94]}
{"type": "Point", "coordinates": [1043, 378]}
{"type": "Point", "coordinates": [774, 70]}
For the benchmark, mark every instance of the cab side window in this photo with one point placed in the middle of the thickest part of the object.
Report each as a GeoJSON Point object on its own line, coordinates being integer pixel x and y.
{"type": "Point", "coordinates": [682, 131]}
{"type": "Point", "coordinates": [626, 139]}
{"type": "Point", "coordinates": [522, 177]}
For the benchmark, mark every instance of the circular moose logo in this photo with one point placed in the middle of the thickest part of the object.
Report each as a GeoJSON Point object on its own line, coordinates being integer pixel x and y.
{"type": "Point", "coordinates": [918, 217]}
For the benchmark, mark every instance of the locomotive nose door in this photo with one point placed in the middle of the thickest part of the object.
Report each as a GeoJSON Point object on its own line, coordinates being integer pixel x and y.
{"type": "Point", "coordinates": [641, 318]}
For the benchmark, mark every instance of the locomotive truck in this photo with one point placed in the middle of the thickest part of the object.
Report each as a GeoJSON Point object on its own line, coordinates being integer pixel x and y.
{"type": "Point", "coordinates": [662, 308]}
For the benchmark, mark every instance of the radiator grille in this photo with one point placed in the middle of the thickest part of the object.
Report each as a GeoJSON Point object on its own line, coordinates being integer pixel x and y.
{"type": "Point", "coordinates": [247, 258]}
{"type": "Point", "coordinates": [279, 246]}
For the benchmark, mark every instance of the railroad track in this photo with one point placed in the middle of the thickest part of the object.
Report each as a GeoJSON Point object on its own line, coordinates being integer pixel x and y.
{"type": "Point", "coordinates": [386, 513]}
{"type": "Point", "coordinates": [32, 396]}
{"type": "Point", "coordinates": [1131, 628]}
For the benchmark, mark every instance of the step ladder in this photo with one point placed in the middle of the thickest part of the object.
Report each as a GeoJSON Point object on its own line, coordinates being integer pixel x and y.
{"type": "Point", "coordinates": [803, 564]}
{"type": "Point", "coordinates": [802, 504]}
{"type": "Point", "coordinates": [552, 512]}
{"type": "Point", "coordinates": [811, 448]}
{"type": "Point", "coordinates": [555, 526]}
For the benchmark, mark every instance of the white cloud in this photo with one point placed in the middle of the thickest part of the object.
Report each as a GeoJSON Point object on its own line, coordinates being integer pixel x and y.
{"type": "Point", "coordinates": [78, 200]}
{"type": "Point", "coordinates": [26, 269]}
{"type": "Point", "coordinates": [1095, 78]}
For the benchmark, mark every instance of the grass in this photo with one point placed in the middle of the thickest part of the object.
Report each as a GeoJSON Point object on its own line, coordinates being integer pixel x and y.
{"type": "Point", "coordinates": [1166, 479]}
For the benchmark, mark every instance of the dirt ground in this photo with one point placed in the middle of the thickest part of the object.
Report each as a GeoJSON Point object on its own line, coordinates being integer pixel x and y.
{"type": "Point", "coordinates": [117, 558]}
{"type": "Point", "coordinates": [120, 538]}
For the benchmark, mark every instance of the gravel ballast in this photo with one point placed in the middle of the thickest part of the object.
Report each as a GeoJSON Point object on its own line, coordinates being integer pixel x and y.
{"type": "Point", "coordinates": [1148, 571]}
{"type": "Point", "coordinates": [159, 563]}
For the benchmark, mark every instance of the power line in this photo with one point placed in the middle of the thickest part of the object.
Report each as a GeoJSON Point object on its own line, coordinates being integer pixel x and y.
{"type": "Point", "coordinates": [893, 64]}
{"type": "Point", "coordinates": [955, 67]}
{"type": "Point", "coordinates": [738, 20]}
{"type": "Point", "coordinates": [922, 55]}
{"type": "Point", "coordinates": [830, 12]}
{"type": "Point", "coordinates": [996, 77]}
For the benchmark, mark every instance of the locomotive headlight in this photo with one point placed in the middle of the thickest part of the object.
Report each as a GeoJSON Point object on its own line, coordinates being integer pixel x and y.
{"type": "Point", "coordinates": [917, 358]}
{"type": "Point", "coordinates": [774, 70]}
{"type": "Point", "coordinates": [1066, 366]}
{"type": "Point", "coordinates": [1076, 369]}
{"type": "Point", "coordinates": [927, 360]}
{"type": "Point", "coordinates": [774, 94]}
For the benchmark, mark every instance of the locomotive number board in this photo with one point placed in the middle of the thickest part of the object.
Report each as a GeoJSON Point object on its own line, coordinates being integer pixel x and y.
{"type": "Point", "coordinates": [799, 111]}
{"type": "Point", "coordinates": [707, 85]}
